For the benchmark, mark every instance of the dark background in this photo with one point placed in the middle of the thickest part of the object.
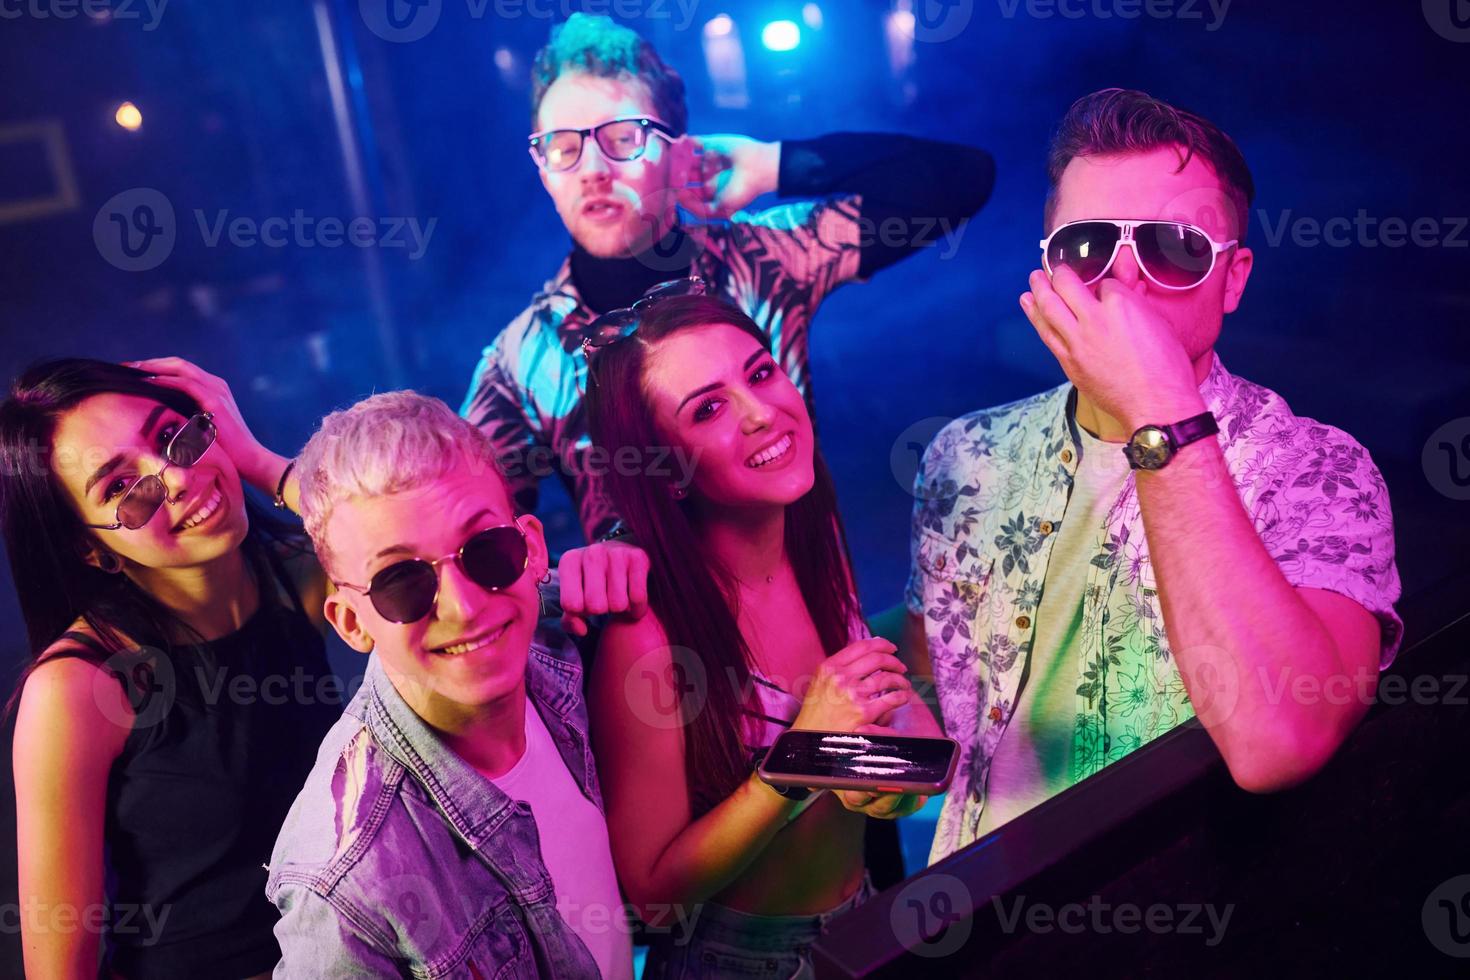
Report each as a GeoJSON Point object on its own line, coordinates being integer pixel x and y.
{"type": "Point", "coordinates": [265, 108]}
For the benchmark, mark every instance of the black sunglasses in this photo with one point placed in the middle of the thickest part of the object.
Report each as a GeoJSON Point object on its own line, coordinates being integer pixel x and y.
{"type": "Point", "coordinates": [141, 500]}
{"type": "Point", "coordinates": [406, 591]}
{"type": "Point", "coordinates": [616, 325]}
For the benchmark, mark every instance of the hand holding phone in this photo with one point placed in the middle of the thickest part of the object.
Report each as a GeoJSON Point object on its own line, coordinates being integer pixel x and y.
{"type": "Point", "coordinates": [856, 686]}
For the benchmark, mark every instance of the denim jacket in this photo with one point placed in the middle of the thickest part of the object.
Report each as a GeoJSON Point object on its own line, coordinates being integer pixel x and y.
{"type": "Point", "coordinates": [399, 859]}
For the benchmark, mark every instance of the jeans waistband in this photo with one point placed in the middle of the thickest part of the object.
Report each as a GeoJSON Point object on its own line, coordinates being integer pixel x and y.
{"type": "Point", "coordinates": [776, 933]}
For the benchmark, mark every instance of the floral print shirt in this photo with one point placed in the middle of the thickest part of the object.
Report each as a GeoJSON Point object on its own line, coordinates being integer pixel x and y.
{"type": "Point", "coordinates": [990, 494]}
{"type": "Point", "coordinates": [777, 265]}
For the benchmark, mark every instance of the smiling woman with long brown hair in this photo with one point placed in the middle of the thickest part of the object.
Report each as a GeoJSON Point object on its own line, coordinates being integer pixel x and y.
{"type": "Point", "coordinates": [160, 737]}
{"type": "Point", "coordinates": [754, 627]}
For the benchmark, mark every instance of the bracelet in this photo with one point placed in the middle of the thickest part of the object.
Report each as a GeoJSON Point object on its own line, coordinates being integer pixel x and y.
{"type": "Point", "coordinates": [280, 500]}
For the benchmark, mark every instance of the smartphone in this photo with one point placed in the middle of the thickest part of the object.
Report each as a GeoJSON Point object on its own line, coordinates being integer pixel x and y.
{"type": "Point", "coordinates": [847, 760]}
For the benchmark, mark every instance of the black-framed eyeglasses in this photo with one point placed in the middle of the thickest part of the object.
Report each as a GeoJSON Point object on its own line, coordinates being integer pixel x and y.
{"type": "Point", "coordinates": [621, 139]}
{"type": "Point", "coordinates": [1172, 254]}
{"type": "Point", "coordinates": [141, 500]}
{"type": "Point", "coordinates": [406, 591]}
{"type": "Point", "coordinates": [616, 325]}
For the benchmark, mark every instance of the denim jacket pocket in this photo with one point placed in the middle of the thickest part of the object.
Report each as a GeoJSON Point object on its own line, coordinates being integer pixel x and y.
{"type": "Point", "coordinates": [495, 948]}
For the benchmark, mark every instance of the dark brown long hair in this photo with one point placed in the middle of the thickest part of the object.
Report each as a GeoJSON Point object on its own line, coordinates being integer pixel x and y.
{"type": "Point", "coordinates": [693, 595]}
{"type": "Point", "coordinates": [45, 538]}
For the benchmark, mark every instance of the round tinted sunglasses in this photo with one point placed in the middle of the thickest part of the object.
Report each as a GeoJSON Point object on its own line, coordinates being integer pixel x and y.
{"type": "Point", "coordinates": [616, 325]}
{"type": "Point", "coordinates": [619, 139]}
{"type": "Point", "coordinates": [141, 500]}
{"type": "Point", "coordinates": [406, 591]}
{"type": "Point", "coordinates": [1172, 254]}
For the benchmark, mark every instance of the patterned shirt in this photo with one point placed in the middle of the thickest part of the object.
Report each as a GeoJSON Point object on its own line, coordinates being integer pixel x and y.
{"type": "Point", "coordinates": [991, 493]}
{"type": "Point", "coordinates": [777, 265]}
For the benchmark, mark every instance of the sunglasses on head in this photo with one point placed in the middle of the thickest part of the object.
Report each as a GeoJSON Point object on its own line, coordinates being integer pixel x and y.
{"type": "Point", "coordinates": [619, 139]}
{"type": "Point", "coordinates": [616, 325]}
{"type": "Point", "coordinates": [406, 591]}
{"type": "Point", "coordinates": [142, 498]}
{"type": "Point", "coordinates": [1172, 254]}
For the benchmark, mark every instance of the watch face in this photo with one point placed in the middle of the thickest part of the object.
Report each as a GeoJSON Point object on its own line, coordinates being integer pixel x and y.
{"type": "Point", "coordinates": [1150, 447]}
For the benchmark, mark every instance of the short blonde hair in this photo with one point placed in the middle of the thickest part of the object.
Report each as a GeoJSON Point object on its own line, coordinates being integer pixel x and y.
{"type": "Point", "coordinates": [385, 444]}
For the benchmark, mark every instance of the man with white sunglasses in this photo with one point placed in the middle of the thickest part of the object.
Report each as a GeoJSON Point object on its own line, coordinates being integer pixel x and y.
{"type": "Point", "coordinates": [646, 202]}
{"type": "Point", "coordinates": [1157, 539]}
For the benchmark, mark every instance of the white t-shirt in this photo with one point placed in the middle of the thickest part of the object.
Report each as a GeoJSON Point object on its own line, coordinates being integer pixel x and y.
{"type": "Point", "coordinates": [574, 848]}
{"type": "Point", "coordinates": [1033, 761]}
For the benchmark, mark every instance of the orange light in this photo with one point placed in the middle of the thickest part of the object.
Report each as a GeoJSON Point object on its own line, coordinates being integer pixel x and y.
{"type": "Point", "coordinates": [129, 117]}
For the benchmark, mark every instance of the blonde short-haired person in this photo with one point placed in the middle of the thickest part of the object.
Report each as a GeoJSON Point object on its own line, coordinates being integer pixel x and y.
{"type": "Point", "coordinates": [452, 824]}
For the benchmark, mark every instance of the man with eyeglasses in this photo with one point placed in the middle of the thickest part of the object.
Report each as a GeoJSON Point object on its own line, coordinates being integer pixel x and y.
{"type": "Point", "coordinates": [452, 825]}
{"type": "Point", "coordinates": [1158, 539]}
{"type": "Point", "coordinates": [614, 154]}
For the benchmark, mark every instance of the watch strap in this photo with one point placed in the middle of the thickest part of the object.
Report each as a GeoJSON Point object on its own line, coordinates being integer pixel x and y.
{"type": "Point", "coordinates": [1192, 429]}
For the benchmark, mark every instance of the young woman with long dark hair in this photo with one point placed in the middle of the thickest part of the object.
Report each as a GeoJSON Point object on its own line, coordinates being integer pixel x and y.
{"type": "Point", "coordinates": [754, 626]}
{"type": "Point", "coordinates": [175, 700]}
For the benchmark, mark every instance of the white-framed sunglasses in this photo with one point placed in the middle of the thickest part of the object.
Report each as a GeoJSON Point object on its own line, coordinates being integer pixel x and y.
{"type": "Point", "coordinates": [1171, 254]}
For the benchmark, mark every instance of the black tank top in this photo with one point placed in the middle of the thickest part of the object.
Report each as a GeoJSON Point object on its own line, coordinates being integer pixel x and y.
{"type": "Point", "coordinates": [224, 735]}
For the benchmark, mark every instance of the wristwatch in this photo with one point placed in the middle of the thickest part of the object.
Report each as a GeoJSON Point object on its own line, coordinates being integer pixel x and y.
{"type": "Point", "coordinates": [795, 793]}
{"type": "Point", "coordinates": [1153, 446]}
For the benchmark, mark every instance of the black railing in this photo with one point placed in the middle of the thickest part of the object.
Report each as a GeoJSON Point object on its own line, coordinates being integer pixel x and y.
{"type": "Point", "coordinates": [1160, 865]}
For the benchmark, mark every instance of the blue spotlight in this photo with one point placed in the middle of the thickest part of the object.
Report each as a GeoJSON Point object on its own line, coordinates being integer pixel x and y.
{"type": "Point", "coordinates": [781, 35]}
